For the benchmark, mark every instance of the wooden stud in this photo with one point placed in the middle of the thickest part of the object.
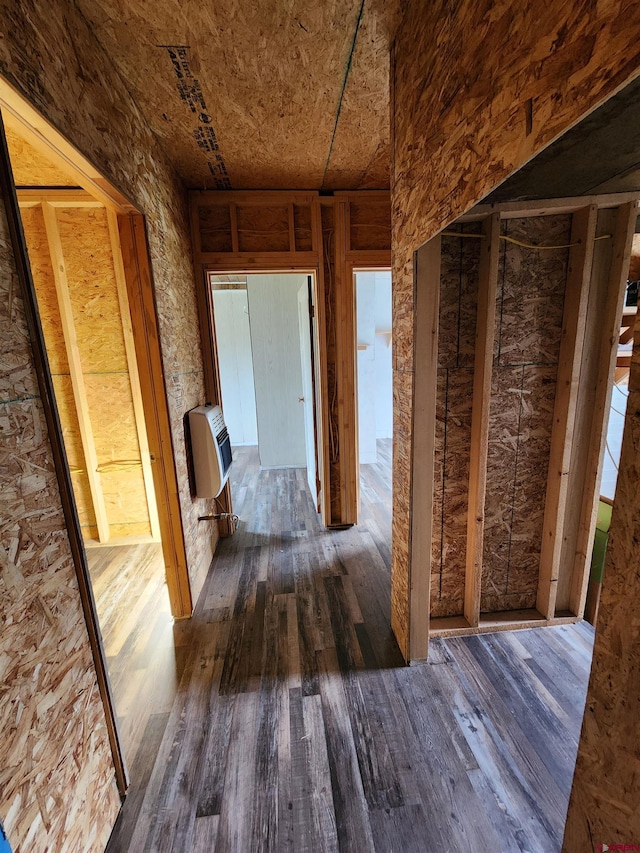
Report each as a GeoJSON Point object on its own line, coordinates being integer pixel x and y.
{"type": "Point", "coordinates": [134, 377]}
{"type": "Point", "coordinates": [44, 137]}
{"type": "Point", "coordinates": [525, 209]}
{"type": "Point", "coordinates": [478, 451]}
{"type": "Point", "coordinates": [292, 229]}
{"type": "Point", "coordinates": [57, 198]}
{"type": "Point", "coordinates": [622, 239]}
{"type": "Point", "coordinates": [135, 259]}
{"type": "Point", "coordinates": [233, 218]}
{"type": "Point", "coordinates": [75, 370]}
{"type": "Point", "coordinates": [583, 231]}
{"type": "Point", "coordinates": [322, 394]}
{"type": "Point", "coordinates": [426, 301]}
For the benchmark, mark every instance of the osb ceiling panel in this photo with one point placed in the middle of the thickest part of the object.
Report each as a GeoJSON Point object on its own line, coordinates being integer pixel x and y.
{"type": "Point", "coordinates": [263, 94]}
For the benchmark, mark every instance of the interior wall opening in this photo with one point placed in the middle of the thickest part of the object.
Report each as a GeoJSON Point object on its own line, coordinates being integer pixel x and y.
{"type": "Point", "coordinates": [267, 367]}
{"type": "Point", "coordinates": [374, 371]}
{"type": "Point", "coordinates": [73, 240]}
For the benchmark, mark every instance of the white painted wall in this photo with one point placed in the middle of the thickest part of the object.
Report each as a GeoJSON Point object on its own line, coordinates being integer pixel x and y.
{"type": "Point", "coordinates": [375, 393]}
{"type": "Point", "coordinates": [615, 429]}
{"type": "Point", "coordinates": [233, 336]}
{"type": "Point", "coordinates": [275, 343]}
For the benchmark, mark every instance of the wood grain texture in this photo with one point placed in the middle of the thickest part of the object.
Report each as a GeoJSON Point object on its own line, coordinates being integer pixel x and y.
{"type": "Point", "coordinates": [249, 231]}
{"type": "Point", "coordinates": [114, 136]}
{"type": "Point", "coordinates": [509, 81]}
{"type": "Point", "coordinates": [604, 799]}
{"type": "Point", "coordinates": [297, 727]}
{"type": "Point", "coordinates": [53, 733]}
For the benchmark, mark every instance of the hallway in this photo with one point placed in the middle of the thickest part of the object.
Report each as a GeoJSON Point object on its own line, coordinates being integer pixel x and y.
{"type": "Point", "coordinates": [296, 726]}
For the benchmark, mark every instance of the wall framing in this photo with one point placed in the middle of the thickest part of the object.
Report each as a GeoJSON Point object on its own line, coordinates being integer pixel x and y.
{"type": "Point", "coordinates": [599, 249]}
{"type": "Point", "coordinates": [328, 236]}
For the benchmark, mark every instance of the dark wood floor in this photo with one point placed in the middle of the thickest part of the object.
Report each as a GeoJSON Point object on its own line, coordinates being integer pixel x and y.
{"type": "Point", "coordinates": [297, 728]}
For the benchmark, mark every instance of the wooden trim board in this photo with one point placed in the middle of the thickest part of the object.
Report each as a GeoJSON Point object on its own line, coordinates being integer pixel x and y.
{"type": "Point", "coordinates": [135, 257]}
{"type": "Point", "coordinates": [426, 301]}
{"type": "Point", "coordinates": [478, 451]}
{"type": "Point", "coordinates": [622, 238]}
{"type": "Point", "coordinates": [583, 232]}
{"type": "Point", "coordinates": [75, 370]}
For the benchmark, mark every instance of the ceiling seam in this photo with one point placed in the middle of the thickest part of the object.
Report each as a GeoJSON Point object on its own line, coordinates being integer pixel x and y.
{"type": "Point", "coordinates": [344, 86]}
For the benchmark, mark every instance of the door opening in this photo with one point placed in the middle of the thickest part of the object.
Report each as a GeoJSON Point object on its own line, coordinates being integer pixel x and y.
{"type": "Point", "coordinates": [88, 289]}
{"type": "Point", "coordinates": [265, 353]}
{"type": "Point", "coordinates": [374, 390]}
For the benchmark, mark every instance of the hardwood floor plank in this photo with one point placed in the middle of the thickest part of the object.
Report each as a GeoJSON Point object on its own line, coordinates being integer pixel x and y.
{"type": "Point", "coordinates": [281, 716]}
{"type": "Point", "coordinates": [349, 801]}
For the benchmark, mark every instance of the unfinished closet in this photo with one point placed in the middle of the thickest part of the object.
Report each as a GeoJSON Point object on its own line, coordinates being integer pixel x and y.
{"type": "Point", "coordinates": [529, 304]}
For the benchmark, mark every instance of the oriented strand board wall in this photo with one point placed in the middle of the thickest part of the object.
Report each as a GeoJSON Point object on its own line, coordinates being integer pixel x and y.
{"type": "Point", "coordinates": [605, 799]}
{"type": "Point", "coordinates": [46, 53]}
{"type": "Point", "coordinates": [509, 80]}
{"type": "Point", "coordinates": [529, 306]}
{"type": "Point", "coordinates": [49, 53]}
{"type": "Point", "coordinates": [56, 770]}
{"type": "Point", "coordinates": [456, 353]}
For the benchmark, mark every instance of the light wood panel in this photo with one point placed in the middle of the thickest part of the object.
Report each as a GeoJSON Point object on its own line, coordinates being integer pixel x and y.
{"type": "Point", "coordinates": [622, 236]}
{"type": "Point", "coordinates": [426, 299]}
{"type": "Point", "coordinates": [484, 346]}
{"type": "Point", "coordinates": [76, 372]}
{"type": "Point", "coordinates": [583, 233]}
{"type": "Point", "coordinates": [104, 408]}
{"type": "Point", "coordinates": [132, 366]}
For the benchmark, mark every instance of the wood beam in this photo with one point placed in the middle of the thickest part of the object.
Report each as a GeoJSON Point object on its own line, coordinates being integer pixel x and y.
{"type": "Point", "coordinates": [426, 300]}
{"type": "Point", "coordinates": [75, 370]}
{"type": "Point", "coordinates": [135, 258]}
{"type": "Point", "coordinates": [622, 238]}
{"type": "Point", "coordinates": [346, 369]}
{"type": "Point", "coordinates": [322, 393]}
{"type": "Point", "coordinates": [478, 451]}
{"type": "Point", "coordinates": [134, 376]}
{"type": "Point", "coordinates": [583, 231]}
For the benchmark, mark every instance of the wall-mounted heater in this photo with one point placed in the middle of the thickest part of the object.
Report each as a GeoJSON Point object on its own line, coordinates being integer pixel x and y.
{"type": "Point", "coordinates": [211, 450]}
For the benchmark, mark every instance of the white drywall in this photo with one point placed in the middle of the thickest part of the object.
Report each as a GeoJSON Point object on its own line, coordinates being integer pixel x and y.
{"type": "Point", "coordinates": [375, 394]}
{"type": "Point", "coordinates": [233, 337]}
{"type": "Point", "coordinates": [275, 343]}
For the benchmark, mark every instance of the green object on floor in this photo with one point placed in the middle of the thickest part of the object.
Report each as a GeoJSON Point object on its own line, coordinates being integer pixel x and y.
{"type": "Point", "coordinates": [600, 540]}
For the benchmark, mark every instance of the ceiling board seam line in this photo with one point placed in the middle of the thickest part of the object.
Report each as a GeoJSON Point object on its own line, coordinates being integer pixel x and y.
{"type": "Point", "coordinates": [344, 86]}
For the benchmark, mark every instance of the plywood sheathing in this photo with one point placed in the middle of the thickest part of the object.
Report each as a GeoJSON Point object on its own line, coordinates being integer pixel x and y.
{"type": "Point", "coordinates": [456, 353]}
{"type": "Point", "coordinates": [605, 799]}
{"type": "Point", "coordinates": [529, 307]}
{"type": "Point", "coordinates": [56, 778]}
{"type": "Point", "coordinates": [476, 91]}
{"type": "Point", "coordinates": [30, 167]}
{"type": "Point", "coordinates": [40, 260]}
{"type": "Point", "coordinates": [96, 112]}
{"type": "Point", "coordinates": [89, 267]}
{"type": "Point", "coordinates": [360, 151]}
{"type": "Point", "coordinates": [247, 95]}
